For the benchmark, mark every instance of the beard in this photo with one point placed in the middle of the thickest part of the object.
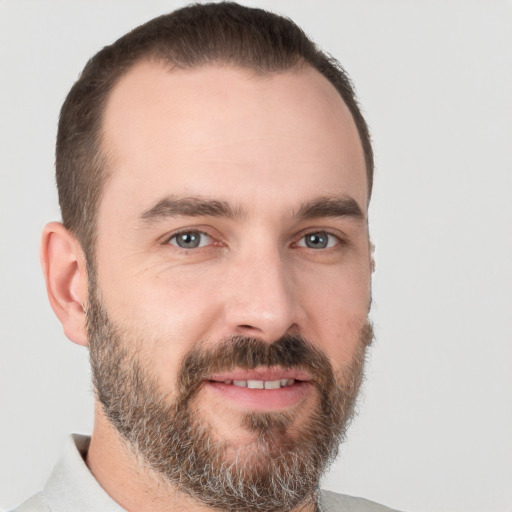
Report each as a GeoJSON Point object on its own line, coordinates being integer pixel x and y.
{"type": "Point", "coordinates": [279, 471]}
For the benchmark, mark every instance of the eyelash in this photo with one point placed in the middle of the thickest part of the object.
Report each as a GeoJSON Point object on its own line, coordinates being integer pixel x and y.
{"type": "Point", "coordinates": [188, 232]}
{"type": "Point", "coordinates": [337, 239]}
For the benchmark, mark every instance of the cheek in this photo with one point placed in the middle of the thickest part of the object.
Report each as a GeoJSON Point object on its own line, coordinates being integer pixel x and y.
{"type": "Point", "coordinates": [337, 308]}
{"type": "Point", "coordinates": [158, 295]}
{"type": "Point", "coordinates": [162, 314]}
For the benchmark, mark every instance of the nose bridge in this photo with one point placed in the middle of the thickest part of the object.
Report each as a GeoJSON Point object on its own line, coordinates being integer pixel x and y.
{"type": "Point", "coordinates": [263, 301]}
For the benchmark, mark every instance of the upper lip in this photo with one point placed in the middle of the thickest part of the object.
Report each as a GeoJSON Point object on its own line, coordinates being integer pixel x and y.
{"type": "Point", "coordinates": [263, 373]}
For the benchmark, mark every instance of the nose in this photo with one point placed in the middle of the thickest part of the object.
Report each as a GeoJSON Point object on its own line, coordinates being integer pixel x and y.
{"type": "Point", "coordinates": [263, 298]}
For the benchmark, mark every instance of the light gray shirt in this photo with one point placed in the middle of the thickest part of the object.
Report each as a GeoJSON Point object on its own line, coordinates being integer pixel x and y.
{"type": "Point", "coordinates": [72, 488]}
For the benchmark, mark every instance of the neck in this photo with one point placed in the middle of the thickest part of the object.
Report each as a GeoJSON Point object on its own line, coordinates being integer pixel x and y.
{"type": "Point", "coordinates": [123, 476]}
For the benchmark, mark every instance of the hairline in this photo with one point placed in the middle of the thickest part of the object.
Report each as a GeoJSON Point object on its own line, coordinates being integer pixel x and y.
{"type": "Point", "coordinates": [105, 159]}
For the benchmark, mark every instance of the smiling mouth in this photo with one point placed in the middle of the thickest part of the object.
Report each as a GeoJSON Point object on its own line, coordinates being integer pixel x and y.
{"type": "Point", "coordinates": [263, 388]}
{"type": "Point", "coordinates": [261, 393]}
{"type": "Point", "coordinates": [260, 384]}
{"type": "Point", "coordinates": [261, 377]}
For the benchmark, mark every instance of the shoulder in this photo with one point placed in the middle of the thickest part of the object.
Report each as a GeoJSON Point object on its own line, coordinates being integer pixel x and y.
{"type": "Point", "coordinates": [37, 503]}
{"type": "Point", "coordinates": [334, 502]}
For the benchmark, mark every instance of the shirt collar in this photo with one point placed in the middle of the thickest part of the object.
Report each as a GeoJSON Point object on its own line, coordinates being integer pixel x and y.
{"type": "Point", "coordinates": [72, 486]}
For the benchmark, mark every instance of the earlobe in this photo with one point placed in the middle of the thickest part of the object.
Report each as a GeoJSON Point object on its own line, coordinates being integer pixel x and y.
{"type": "Point", "coordinates": [65, 273]}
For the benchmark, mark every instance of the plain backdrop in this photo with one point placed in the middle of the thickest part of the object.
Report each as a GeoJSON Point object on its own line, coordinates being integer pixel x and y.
{"type": "Point", "coordinates": [434, 432]}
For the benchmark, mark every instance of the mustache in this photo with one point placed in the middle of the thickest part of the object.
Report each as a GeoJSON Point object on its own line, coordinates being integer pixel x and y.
{"type": "Point", "coordinates": [290, 351]}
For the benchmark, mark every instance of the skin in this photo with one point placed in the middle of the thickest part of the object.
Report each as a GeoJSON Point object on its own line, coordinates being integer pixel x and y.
{"type": "Point", "coordinates": [265, 146]}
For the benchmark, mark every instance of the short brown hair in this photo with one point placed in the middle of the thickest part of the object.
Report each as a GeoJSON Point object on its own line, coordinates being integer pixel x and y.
{"type": "Point", "coordinates": [189, 37]}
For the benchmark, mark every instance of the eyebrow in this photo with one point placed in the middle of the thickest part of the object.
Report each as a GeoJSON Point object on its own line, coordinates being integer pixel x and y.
{"type": "Point", "coordinates": [344, 206]}
{"type": "Point", "coordinates": [172, 206]}
{"type": "Point", "coordinates": [192, 206]}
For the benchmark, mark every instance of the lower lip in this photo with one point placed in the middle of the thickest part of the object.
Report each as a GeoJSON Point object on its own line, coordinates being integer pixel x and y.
{"type": "Point", "coordinates": [262, 399]}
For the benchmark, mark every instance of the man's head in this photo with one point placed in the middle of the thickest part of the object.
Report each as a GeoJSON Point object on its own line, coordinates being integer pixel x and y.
{"type": "Point", "coordinates": [224, 33]}
{"type": "Point", "coordinates": [225, 270]}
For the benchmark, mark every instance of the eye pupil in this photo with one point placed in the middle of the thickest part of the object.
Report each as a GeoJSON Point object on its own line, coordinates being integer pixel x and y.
{"type": "Point", "coordinates": [317, 240]}
{"type": "Point", "coordinates": [188, 240]}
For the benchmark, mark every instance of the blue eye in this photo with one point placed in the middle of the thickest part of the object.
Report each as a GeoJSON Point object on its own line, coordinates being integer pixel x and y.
{"type": "Point", "coordinates": [318, 240]}
{"type": "Point", "coordinates": [190, 240]}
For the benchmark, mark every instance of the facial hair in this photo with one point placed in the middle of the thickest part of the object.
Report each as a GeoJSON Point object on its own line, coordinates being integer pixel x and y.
{"type": "Point", "coordinates": [280, 471]}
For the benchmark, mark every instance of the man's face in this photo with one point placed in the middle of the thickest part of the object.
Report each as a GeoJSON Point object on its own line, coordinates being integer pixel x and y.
{"type": "Point", "coordinates": [235, 215]}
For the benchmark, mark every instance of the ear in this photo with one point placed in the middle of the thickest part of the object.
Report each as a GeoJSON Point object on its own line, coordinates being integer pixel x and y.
{"type": "Point", "coordinates": [65, 273]}
{"type": "Point", "coordinates": [372, 257]}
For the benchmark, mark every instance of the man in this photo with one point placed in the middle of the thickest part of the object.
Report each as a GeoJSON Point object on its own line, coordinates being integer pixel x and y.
{"type": "Point", "coordinates": [214, 173]}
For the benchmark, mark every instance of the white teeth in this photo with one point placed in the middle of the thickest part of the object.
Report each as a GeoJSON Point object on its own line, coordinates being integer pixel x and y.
{"type": "Point", "coordinates": [255, 384]}
{"type": "Point", "coordinates": [261, 384]}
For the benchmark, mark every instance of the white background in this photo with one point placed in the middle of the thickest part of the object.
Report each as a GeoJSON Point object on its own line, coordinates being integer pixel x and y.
{"type": "Point", "coordinates": [435, 79]}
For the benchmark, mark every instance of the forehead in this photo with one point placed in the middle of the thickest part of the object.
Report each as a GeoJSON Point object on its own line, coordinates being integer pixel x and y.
{"type": "Point", "coordinates": [222, 131]}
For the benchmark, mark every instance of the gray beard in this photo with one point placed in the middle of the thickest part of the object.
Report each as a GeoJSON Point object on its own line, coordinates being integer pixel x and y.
{"type": "Point", "coordinates": [280, 471]}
